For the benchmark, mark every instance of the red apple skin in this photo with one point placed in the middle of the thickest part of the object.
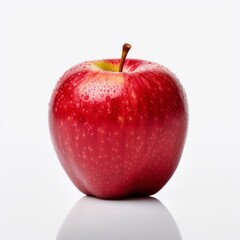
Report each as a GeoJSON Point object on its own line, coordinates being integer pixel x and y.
{"type": "Point", "coordinates": [118, 134]}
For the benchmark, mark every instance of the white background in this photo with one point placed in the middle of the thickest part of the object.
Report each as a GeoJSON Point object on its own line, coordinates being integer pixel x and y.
{"type": "Point", "coordinates": [198, 40]}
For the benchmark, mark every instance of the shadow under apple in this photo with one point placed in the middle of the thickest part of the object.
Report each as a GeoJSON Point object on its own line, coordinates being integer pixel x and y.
{"type": "Point", "coordinates": [144, 218]}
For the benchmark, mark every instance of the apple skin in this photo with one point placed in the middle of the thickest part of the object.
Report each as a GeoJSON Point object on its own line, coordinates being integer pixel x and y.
{"type": "Point", "coordinates": [118, 134]}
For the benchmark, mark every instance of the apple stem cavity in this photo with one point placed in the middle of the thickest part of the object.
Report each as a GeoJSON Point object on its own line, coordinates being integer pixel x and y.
{"type": "Point", "coordinates": [125, 49]}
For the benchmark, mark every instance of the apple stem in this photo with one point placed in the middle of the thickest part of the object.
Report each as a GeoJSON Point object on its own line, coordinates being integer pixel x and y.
{"type": "Point", "coordinates": [125, 49]}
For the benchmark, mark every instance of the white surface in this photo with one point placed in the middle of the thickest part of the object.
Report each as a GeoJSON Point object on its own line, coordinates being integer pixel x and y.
{"type": "Point", "coordinates": [199, 41]}
{"type": "Point", "coordinates": [145, 218]}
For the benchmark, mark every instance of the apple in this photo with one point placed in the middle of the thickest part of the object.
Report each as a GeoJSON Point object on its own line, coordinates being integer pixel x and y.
{"type": "Point", "coordinates": [118, 126]}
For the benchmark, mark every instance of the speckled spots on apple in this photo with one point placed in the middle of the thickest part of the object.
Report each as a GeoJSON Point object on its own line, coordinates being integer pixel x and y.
{"type": "Point", "coordinates": [119, 134]}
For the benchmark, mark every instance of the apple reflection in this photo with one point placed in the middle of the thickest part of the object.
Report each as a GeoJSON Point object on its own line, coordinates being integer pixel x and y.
{"type": "Point", "coordinates": [144, 218]}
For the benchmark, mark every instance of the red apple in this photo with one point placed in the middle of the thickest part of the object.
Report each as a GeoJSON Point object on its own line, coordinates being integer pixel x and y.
{"type": "Point", "coordinates": [118, 126]}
